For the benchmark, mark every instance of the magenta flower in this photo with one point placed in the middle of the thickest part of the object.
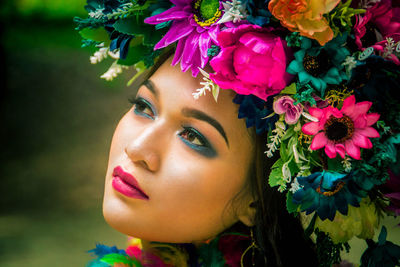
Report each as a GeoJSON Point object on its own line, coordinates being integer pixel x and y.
{"type": "Point", "coordinates": [193, 27]}
{"type": "Point", "coordinates": [342, 131]}
{"type": "Point", "coordinates": [252, 60]}
{"type": "Point", "coordinates": [284, 105]}
{"type": "Point", "coordinates": [379, 22]}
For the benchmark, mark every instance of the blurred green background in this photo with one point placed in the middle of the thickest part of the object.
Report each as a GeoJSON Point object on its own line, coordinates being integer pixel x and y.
{"type": "Point", "coordinates": [57, 119]}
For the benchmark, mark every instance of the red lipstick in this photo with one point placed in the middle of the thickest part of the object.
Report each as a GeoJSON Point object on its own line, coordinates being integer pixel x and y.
{"type": "Point", "coordinates": [127, 185]}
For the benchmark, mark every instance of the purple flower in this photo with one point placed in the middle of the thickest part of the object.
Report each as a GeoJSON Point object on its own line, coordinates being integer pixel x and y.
{"type": "Point", "coordinates": [194, 29]}
{"type": "Point", "coordinates": [284, 105]}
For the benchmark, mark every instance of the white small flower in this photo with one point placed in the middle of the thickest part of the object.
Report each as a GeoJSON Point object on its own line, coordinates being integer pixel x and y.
{"type": "Point", "coordinates": [99, 55]}
{"type": "Point", "coordinates": [120, 12]}
{"type": "Point", "coordinates": [234, 11]}
{"type": "Point", "coordinates": [350, 63]}
{"type": "Point", "coordinates": [287, 175]}
{"type": "Point", "coordinates": [114, 54]}
{"type": "Point", "coordinates": [294, 186]}
{"type": "Point", "coordinates": [280, 125]}
{"type": "Point", "coordinates": [98, 14]}
{"type": "Point", "coordinates": [275, 138]}
{"type": "Point", "coordinates": [208, 85]}
{"type": "Point", "coordinates": [113, 71]}
{"type": "Point", "coordinates": [367, 3]}
{"type": "Point", "coordinates": [390, 47]}
{"type": "Point", "coordinates": [304, 170]}
{"type": "Point", "coordinates": [346, 162]}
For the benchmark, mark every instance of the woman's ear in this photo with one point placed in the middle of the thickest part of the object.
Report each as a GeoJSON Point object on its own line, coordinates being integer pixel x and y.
{"type": "Point", "coordinates": [248, 213]}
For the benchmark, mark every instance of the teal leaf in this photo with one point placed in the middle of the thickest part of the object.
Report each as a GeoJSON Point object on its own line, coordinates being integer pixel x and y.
{"type": "Point", "coordinates": [382, 236]}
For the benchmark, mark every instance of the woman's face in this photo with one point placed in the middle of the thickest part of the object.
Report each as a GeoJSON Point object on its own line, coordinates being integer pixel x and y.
{"type": "Point", "coordinates": [189, 158]}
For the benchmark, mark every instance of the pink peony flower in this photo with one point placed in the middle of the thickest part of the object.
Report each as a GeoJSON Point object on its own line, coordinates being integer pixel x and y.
{"type": "Point", "coordinates": [379, 22]}
{"type": "Point", "coordinates": [342, 131]}
{"type": "Point", "coordinates": [284, 105]}
{"type": "Point", "coordinates": [252, 60]}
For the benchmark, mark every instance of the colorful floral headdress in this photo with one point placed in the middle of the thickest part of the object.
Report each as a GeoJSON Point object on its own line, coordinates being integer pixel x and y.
{"type": "Point", "coordinates": [319, 77]}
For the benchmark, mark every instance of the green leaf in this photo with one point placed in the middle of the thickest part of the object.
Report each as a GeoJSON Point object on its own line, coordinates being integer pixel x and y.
{"type": "Point", "coordinates": [283, 152]}
{"type": "Point", "coordinates": [289, 90]}
{"type": "Point", "coordinates": [289, 133]}
{"type": "Point", "coordinates": [138, 40]}
{"type": "Point", "coordinates": [116, 258]}
{"type": "Point", "coordinates": [293, 166]}
{"type": "Point", "coordinates": [119, 258]}
{"type": "Point", "coordinates": [292, 144]}
{"type": "Point", "coordinates": [140, 68]}
{"type": "Point", "coordinates": [276, 173]}
{"type": "Point", "coordinates": [135, 27]}
{"type": "Point", "coordinates": [135, 55]}
{"type": "Point", "coordinates": [215, 92]}
{"type": "Point", "coordinates": [291, 206]}
{"type": "Point", "coordinates": [335, 164]}
{"type": "Point", "coordinates": [98, 34]}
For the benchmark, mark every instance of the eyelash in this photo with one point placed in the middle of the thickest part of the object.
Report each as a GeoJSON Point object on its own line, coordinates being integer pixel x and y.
{"type": "Point", "coordinates": [188, 134]}
{"type": "Point", "coordinates": [191, 133]}
{"type": "Point", "coordinates": [139, 103]}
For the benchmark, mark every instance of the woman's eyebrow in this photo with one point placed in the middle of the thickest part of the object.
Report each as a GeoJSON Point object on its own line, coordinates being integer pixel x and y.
{"type": "Point", "coordinates": [197, 114]}
{"type": "Point", "coordinates": [152, 88]}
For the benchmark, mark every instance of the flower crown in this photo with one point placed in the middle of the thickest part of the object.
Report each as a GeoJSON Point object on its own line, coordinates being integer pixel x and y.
{"type": "Point", "coordinates": [319, 78]}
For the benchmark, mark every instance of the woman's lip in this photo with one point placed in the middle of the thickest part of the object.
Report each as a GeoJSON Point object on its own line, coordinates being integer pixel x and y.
{"type": "Point", "coordinates": [126, 184]}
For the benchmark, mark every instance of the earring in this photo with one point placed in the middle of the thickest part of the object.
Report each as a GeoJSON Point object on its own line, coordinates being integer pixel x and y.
{"type": "Point", "coordinates": [252, 246]}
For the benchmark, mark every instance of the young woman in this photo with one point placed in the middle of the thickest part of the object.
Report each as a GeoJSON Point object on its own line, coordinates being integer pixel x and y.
{"type": "Point", "coordinates": [253, 141]}
{"type": "Point", "coordinates": [183, 170]}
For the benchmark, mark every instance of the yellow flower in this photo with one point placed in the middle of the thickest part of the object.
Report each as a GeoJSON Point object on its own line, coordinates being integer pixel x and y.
{"type": "Point", "coordinates": [360, 221]}
{"type": "Point", "coordinates": [305, 16]}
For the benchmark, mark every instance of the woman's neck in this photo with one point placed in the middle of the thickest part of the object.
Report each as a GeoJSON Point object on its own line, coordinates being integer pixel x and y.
{"type": "Point", "coordinates": [225, 249]}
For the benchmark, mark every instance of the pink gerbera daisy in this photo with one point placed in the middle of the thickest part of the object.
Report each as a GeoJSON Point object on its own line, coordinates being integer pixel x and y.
{"type": "Point", "coordinates": [195, 29]}
{"type": "Point", "coordinates": [342, 131]}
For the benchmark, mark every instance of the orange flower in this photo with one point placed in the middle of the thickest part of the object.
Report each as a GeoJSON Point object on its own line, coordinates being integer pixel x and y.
{"type": "Point", "coordinates": [305, 16]}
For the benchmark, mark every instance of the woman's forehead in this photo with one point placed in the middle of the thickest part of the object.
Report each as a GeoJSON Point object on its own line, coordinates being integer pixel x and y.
{"type": "Point", "coordinates": [170, 81]}
{"type": "Point", "coordinates": [175, 87]}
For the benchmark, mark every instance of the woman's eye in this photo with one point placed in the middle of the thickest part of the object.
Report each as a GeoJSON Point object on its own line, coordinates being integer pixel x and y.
{"type": "Point", "coordinates": [195, 140]}
{"type": "Point", "coordinates": [143, 108]}
{"type": "Point", "coordinates": [192, 136]}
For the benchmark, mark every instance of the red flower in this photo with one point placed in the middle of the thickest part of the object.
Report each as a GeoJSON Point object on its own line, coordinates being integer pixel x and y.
{"type": "Point", "coordinates": [342, 131]}
{"type": "Point", "coordinates": [379, 22]}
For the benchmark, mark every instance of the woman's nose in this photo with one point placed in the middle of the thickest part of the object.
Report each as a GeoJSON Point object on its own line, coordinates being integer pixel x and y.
{"type": "Point", "coordinates": [144, 148]}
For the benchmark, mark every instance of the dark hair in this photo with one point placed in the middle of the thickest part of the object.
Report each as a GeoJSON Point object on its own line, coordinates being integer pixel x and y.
{"type": "Point", "coordinates": [279, 235]}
